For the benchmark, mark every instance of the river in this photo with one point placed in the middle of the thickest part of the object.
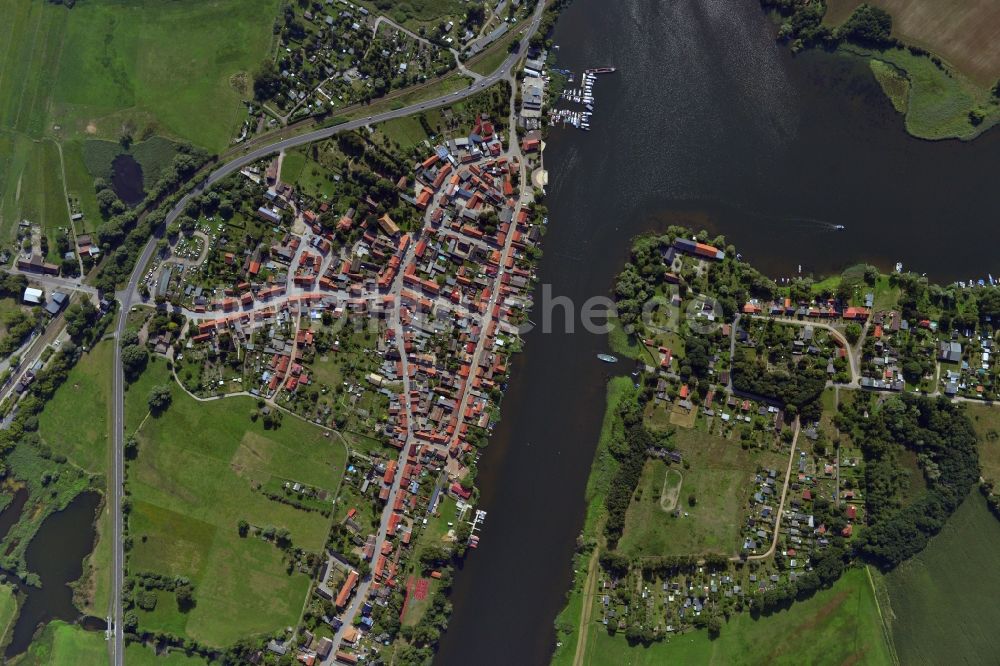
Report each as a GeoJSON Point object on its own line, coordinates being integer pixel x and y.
{"type": "Point", "coordinates": [56, 555]}
{"type": "Point", "coordinates": [709, 123]}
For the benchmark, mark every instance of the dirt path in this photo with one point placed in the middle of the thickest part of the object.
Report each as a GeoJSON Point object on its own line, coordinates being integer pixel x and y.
{"type": "Point", "coordinates": [781, 504]}
{"type": "Point", "coordinates": [668, 499]}
{"type": "Point", "coordinates": [588, 605]}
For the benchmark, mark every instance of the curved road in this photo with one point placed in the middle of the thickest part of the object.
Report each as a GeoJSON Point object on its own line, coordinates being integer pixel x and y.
{"type": "Point", "coordinates": [504, 72]}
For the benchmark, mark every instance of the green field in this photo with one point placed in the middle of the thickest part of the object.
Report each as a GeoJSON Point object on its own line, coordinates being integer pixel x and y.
{"type": "Point", "coordinates": [8, 610]}
{"type": "Point", "coordinates": [407, 131]}
{"type": "Point", "coordinates": [943, 601]}
{"type": "Point", "coordinates": [720, 478]}
{"type": "Point", "coordinates": [194, 480]}
{"type": "Point", "coordinates": [497, 53]}
{"type": "Point", "coordinates": [41, 198]}
{"type": "Point", "coordinates": [141, 655]}
{"type": "Point", "coordinates": [836, 626]}
{"type": "Point", "coordinates": [75, 422]}
{"type": "Point", "coordinates": [179, 69]}
{"type": "Point", "coordinates": [62, 644]}
{"type": "Point", "coordinates": [939, 99]}
{"type": "Point", "coordinates": [986, 421]}
{"type": "Point", "coordinates": [80, 186]}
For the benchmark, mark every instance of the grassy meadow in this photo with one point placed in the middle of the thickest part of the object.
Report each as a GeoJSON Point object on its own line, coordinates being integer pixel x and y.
{"type": "Point", "coordinates": [62, 644]}
{"type": "Point", "coordinates": [720, 478]}
{"type": "Point", "coordinates": [943, 601]}
{"type": "Point", "coordinates": [194, 479]}
{"type": "Point", "coordinates": [840, 625]}
{"type": "Point", "coordinates": [986, 421]}
{"type": "Point", "coordinates": [75, 422]}
{"type": "Point", "coordinates": [178, 69]}
{"type": "Point", "coordinates": [8, 610]}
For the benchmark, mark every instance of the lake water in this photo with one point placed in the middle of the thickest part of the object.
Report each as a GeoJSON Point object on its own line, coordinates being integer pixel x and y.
{"type": "Point", "coordinates": [56, 555]}
{"type": "Point", "coordinates": [126, 179]}
{"type": "Point", "coordinates": [711, 124]}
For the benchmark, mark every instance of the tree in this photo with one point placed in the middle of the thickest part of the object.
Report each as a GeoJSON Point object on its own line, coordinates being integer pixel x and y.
{"type": "Point", "coordinates": [692, 500]}
{"type": "Point", "coordinates": [185, 597]}
{"type": "Point", "coordinates": [243, 528]}
{"type": "Point", "coordinates": [160, 398]}
{"type": "Point", "coordinates": [134, 359]}
{"type": "Point", "coordinates": [131, 448]}
{"type": "Point", "coordinates": [267, 82]}
{"type": "Point", "coordinates": [867, 25]}
{"type": "Point", "coordinates": [853, 332]}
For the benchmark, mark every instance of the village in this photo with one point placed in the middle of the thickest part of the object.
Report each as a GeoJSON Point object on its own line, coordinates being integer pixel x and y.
{"type": "Point", "coordinates": [391, 320]}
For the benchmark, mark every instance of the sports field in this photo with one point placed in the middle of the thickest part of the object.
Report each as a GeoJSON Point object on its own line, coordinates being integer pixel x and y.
{"type": "Point", "coordinates": [963, 32]}
{"type": "Point", "coordinates": [836, 626]}
{"type": "Point", "coordinates": [944, 600]}
{"type": "Point", "coordinates": [194, 479]}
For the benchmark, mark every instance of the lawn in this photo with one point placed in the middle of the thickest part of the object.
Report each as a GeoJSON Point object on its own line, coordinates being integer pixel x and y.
{"type": "Point", "coordinates": [407, 131]}
{"type": "Point", "coordinates": [840, 625]}
{"type": "Point", "coordinates": [943, 600]}
{"type": "Point", "coordinates": [194, 480]}
{"type": "Point", "coordinates": [719, 477]}
{"type": "Point", "coordinates": [75, 422]}
{"type": "Point", "coordinates": [291, 166]}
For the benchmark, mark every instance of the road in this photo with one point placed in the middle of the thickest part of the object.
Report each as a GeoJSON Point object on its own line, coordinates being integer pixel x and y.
{"type": "Point", "coordinates": [126, 299]}
{"type": "Point", "coordinates": [781, 504]}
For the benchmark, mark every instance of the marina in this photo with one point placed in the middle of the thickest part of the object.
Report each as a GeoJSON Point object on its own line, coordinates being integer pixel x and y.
{"type": "Point", "coordinates": [583, 96]}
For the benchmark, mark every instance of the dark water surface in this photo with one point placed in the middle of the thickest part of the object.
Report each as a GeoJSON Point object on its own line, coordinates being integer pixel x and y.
{"type": "Point", "coordinates": [708, 123]}
{"type": "Point", "coordinates": [12, 512]}
{"type": "Point", "coordinates": [56, 555]}
{"type": "Point", "coordinates": [126, 179]}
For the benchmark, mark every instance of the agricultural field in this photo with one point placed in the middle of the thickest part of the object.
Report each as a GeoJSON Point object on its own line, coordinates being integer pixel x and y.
{"type": "Point", "coordinates": [197, 474]}
{"type": "Point", "coordinates": [720, 479]}
{"type": "Point", "coordinates": [75, 422]}
{"type": "Point", "coordinates": [840, 625]}
{"type": "Point", "coordinates": [943, 601]}
{"type": "Point", "coordinates": [960, 31]}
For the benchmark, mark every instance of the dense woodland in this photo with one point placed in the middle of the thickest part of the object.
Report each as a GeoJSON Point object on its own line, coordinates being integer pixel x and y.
{"type": "Point", "coordinates": [941, 435]}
